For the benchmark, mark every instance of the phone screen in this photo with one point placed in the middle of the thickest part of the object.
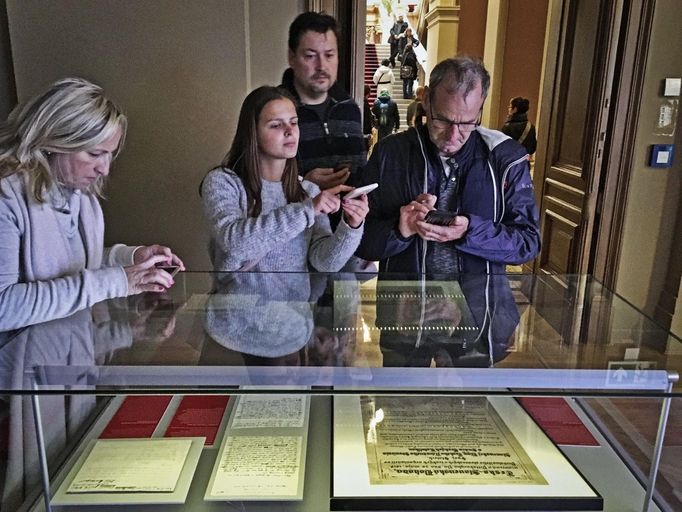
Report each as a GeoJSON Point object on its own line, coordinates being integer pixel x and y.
{"type": "Point", "coordinates": [171, 269]}
{"type": "Point", "coordinates": [440, 217]}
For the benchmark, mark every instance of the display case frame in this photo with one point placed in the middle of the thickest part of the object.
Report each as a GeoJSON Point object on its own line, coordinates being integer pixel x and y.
{"type": "Point", "coordinates": [568, 379]}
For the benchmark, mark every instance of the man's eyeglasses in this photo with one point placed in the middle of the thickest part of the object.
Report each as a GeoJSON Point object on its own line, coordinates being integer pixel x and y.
{"type": "Point", "coordinates": [443, 124]}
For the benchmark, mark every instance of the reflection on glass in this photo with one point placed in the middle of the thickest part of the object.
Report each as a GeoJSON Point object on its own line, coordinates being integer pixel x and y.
{"type": "Point", "coordinates": [267, 318]}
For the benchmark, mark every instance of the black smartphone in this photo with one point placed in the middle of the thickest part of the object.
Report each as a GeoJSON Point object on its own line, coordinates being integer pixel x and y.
{"type": "Point", "coordinates": [346, 164]}
{"type": "Point", "coordinates": [440, 217]}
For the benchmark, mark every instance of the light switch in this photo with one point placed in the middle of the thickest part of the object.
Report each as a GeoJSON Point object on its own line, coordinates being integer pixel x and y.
{"type": "Point", "coordinates": [661, 155]}
{"type": "Point", "coordinates": [672, 86]}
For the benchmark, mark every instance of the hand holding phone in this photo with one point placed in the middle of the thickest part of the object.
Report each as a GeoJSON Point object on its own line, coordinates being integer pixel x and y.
{"type": "Point", "coordinates": [171, 269]}
{"type": "Point", "coordinates": [357, 192]}
{"type": "Point", "coordinates": [440, 217]}
{"type": "Point", "coordinates": [344, 164]}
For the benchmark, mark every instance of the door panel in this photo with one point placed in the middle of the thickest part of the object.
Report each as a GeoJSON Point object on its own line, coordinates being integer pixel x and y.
{"type": "Point", "coordinates": [567, 169]}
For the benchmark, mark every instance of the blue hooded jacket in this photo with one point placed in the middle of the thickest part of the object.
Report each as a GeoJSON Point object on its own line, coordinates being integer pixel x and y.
{"type": "Point", "coordinates": [496, 195]}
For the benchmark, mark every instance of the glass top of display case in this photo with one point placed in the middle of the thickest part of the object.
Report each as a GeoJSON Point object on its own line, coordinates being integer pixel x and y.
{"type": "Point", "coordinates": [350, 333]}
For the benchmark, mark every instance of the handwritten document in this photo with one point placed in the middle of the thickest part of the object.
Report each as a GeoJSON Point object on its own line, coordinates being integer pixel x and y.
{"type": "Point", "coordinates": [270, 411]}
{"type": "Point", "coordinates": [442, 440]}
{"type": "Point", "coordinates": [132, 465]}
{"type": "Point", "coordinates": [259, 466]}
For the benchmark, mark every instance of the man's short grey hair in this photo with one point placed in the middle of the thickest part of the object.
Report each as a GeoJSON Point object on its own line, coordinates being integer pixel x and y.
{"type": "Point", "coordinates": [460, 75]}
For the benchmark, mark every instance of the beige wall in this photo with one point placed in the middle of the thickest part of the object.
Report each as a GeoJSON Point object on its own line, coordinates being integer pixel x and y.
{"type": "Point", "coordinates": [180, 71]}
{"type": "Point", "coordinates": [472, 18]}
{"type": "Point", "coordinates": [654, 194]}
{"type": "Point", "coordinates": [523, 50]}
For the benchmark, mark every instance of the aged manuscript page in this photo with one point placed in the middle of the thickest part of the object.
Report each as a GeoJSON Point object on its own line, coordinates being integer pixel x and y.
{"type": "Point", "coordinates": [259, 466]}
{"type": "Point", "coordinates": [442, 440]}
{"type": "Point", "coordinates": [132, 465]}
{"type": "Point", "coordinates": [270, 411]}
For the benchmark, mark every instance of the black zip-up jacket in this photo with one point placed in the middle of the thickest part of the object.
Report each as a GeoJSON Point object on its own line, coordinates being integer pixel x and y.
{"type": "Point", "coordinates": [515, 126]}
{"type": "Point", "coordinates": [332, 140]}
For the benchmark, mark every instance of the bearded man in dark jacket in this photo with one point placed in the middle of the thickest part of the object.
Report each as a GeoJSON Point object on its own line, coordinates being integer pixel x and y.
{"type": "Point", "coordinates": [331, 147]}
{"type": "Point", "coordinates": [479, 177]}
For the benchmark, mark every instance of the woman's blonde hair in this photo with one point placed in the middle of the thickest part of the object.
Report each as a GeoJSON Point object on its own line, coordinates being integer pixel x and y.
{"type": "Point", "coordinates": [71, 115]}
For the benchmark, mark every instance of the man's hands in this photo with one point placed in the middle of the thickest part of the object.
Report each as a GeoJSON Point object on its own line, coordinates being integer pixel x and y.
{"type": "Point", "coordinates": [326, 177]}
{"type": "Point", "coordinates": [414, 212]}
{"type": "Point", "coordinates": [412, 222]}
{"type": "Point", "coordinates": [456, 230]}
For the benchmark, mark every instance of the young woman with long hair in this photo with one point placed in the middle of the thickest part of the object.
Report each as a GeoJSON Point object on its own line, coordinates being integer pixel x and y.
{"type": "Point", "coordinates": [260, 215]}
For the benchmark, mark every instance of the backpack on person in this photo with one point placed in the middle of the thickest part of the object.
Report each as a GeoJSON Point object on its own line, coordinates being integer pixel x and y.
{"type": "Point", "coordinates": [383, 114]}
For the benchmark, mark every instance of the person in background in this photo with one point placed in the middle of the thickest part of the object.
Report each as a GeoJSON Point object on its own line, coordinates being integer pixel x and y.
{"type": "Point", "coordinates": [383, 76]}
{"type": "Point", "coordinates": [478, 180]}
{"type": "Point", "coordinates": [408, 71]}
{"type": "Point", "coordinates": [387, 114]}
{"type": "Point", "coordinates": [332, 146]}
{"type": "Point", "coordinates": [412, 107]}
{"type": "Point", "coordinates": [368, 119]}
{"type": "Point", "coordinates": [55, 153]}
{"type": "Point", "coordinates": [260, 216]}
{"type": "Point", "coordinates": [394, 34]}
{"type": "Point", "coordinates": [518, 127]}
{"type": "Point", "coordinates": [404, 39]}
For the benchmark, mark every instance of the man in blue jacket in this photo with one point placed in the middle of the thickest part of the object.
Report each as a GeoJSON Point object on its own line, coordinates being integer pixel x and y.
{"type": "Point", "coordinates": [478, 179]}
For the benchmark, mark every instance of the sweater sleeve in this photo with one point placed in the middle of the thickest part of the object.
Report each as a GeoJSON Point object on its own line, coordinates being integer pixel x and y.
{"type": "Point", "coordinates": [23, 304]}
{"type": "Point", "coordinates": [119, 254]}
{"type": "Point", "coordinates": [329, 251]}
{"type": "Point", "coordinates": [242, 239]}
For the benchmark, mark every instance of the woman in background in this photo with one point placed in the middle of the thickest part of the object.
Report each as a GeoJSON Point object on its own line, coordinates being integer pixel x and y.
{"type": "Point", "coordinates": [518, 126]}
{"type": "Point", "coordinates": [55, 153]}
{"type": "Point", "coordinates": [260, 216]}
{"type": "Point", "coordinates": [408, 71]}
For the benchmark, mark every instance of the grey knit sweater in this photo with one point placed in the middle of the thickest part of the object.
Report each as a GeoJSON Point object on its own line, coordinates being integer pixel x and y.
{"type": "Point", "coordinates": [284, 237]}
{"type": "Point", "coordinates": [52, 256]}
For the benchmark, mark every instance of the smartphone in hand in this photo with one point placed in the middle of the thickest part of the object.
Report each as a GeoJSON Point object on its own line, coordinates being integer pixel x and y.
{"type": "Point", "coordinates": [440, 217]}
{"type": "Point", "coordinates": [171, 269]}
{"type": "Point", "coordinates": [344, 164]}
{"type": "Point", "coordinates": [357, 192]}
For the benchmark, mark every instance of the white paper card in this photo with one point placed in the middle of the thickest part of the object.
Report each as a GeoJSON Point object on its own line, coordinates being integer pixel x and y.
{"type": "Point", "coordinates": [270, 411]}
{"type": "Point", "coordinates": [262, 466]}
{"type": "Point", "coordinates": [132, 465]}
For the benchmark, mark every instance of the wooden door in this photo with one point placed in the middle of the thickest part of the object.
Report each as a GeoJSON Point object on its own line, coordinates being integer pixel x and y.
{"type": "Point", "coordinates": [579, 65]}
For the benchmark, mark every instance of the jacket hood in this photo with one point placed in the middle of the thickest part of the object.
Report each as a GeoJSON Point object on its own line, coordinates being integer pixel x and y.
{"type": "Point", "coordinates": [492, 138]}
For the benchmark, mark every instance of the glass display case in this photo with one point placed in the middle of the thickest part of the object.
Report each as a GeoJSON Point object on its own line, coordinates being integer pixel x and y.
{"type": "Point", "coordinates": [320, 392]}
